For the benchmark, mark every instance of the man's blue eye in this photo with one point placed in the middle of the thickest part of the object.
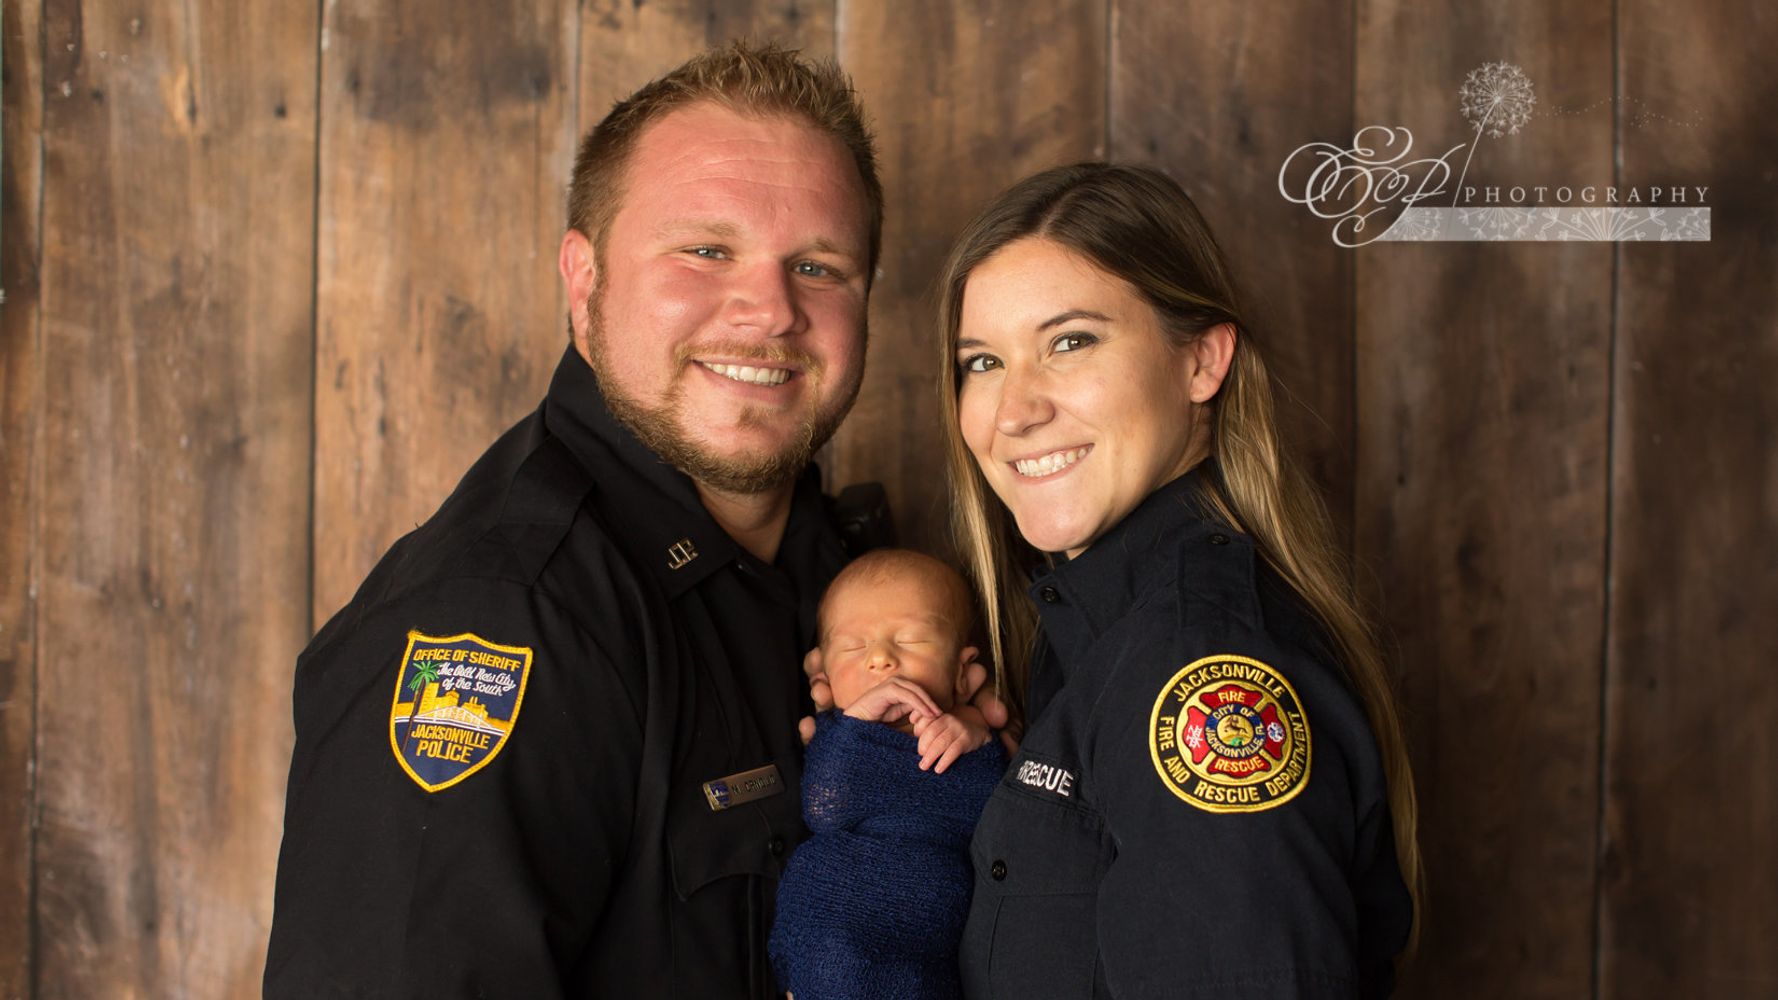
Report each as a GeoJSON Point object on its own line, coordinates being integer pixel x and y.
{"type": "Point", "coordinates": [810, 269]}
{"type": "Point", "coordinates": [708, 253]}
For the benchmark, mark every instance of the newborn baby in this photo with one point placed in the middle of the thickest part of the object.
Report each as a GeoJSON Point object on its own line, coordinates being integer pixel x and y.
{"type": "Point", "coordinates": [873, 904]}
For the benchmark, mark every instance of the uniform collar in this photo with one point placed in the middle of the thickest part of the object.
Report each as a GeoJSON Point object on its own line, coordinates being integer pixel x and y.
{"type": "Point", "coordinates": [1079, 599]}
{"type": "Point", "coordinates": [654, 508]}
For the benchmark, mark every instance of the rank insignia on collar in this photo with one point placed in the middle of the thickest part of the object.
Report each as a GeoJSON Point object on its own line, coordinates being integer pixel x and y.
{"type": "Point", "coordinates": [462, 696]}
{"type": "Point", "coordinates": [1228, 734]}
{"type": "Point", "coordinates": [681, 552]}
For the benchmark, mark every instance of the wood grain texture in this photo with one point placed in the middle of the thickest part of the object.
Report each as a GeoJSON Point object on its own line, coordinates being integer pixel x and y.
{"type": "Point", "coordinates": [623, 44]}
{"type": "Point", "coordinates": [21, 374]}
{"type": "Point", "coordinates": [178, 167]}
{"type": "Point", "coordinates": [1482, 396]}
{"type": "Point", "coordinates": [445, 140]}
{"type": "Point", "coordinates": [1218, 95]}
{"type": "Point", "coordinates": [967, 98]}
{"type": "Point", "coordinates": [1689, 896]}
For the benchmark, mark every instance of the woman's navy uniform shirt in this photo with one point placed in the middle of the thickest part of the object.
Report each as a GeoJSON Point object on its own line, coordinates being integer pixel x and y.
{"type": "Point", "coordinates": [565, 654]}
{"type": "Point", "coordinates": [1198, 807]}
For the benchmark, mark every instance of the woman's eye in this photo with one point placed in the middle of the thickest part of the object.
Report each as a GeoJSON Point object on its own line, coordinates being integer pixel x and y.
{"type": "Point", "coordinates": [980, 363]}
{"type": "Point", "coordinates": [1074, 341]}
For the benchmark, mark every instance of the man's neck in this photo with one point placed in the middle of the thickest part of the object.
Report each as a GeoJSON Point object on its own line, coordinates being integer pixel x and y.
{"type": "Point", "coordinates": [756, 520]}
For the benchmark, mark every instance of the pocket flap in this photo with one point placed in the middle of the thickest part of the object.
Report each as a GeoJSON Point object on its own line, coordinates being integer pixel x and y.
{"type": "Point", "coordinates": [749, 838]}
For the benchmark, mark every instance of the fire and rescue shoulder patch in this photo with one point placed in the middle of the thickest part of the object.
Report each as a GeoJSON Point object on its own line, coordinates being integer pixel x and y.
{"type": "Point", "coordinates": [462, 698]}
{"type": "Point", "coordinates": [1228, 734]}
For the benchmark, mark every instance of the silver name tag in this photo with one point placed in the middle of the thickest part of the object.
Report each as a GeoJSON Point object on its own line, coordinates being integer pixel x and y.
{"type": "Point", "coordinates": [744, 787]}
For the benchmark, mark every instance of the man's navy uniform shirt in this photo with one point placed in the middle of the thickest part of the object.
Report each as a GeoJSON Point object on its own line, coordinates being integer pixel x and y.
{"type": "Point", "coordinates": [580, 855]}
{"type": "Point", "coordinates": [1198, 807]}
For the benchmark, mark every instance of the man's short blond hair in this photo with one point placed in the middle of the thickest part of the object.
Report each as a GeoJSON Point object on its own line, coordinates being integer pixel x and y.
{"type": "Point", "coordinates": [750, 80]}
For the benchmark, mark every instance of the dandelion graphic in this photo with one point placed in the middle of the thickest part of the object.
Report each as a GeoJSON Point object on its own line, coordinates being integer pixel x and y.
{"type": "Point", "coordinates": [1497, 99]}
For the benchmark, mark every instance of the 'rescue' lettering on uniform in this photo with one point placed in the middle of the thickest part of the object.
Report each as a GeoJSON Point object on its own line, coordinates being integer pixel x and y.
{"type": "Point", "coordinates": [1045, 778]}
{"type": "Point", "coordinates": [1228, 734]}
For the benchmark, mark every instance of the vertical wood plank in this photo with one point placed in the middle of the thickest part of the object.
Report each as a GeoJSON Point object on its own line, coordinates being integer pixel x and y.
{"type": "Point", "coordinates": [21, 372]}
{"type": "Point", "coordinates": [178, 166]}
{"type": "Point", "coordinates": [1218, 95]}
{"type": "Point", "coordinates": [445, 140]}
{"type": "Point", "coordinates": [623, 45]}
{"type": "Point", "coordinates": [967, 98]}
{"type": "Point", "coordinates": [1689, 896]}
{"type": "Point", "coordinates": [1482, 402]}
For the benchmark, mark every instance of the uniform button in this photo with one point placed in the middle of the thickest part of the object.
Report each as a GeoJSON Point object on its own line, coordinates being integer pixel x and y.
{"type": "Point", "coordinates": [1219, 539]}
{"type": "Point", "coordinates": [997, 871]}
{"type": "Point", "coordinates": [1049, 595]}
{"type": "Point", "coordinates": [776, 846]}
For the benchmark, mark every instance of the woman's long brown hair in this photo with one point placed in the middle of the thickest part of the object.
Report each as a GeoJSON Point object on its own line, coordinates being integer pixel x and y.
{"type": "Point", "coordinates": [1137, 224]}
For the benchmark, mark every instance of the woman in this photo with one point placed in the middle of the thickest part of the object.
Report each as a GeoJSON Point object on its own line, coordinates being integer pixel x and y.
{"type": "Point", "coordinates": [1212, 796]}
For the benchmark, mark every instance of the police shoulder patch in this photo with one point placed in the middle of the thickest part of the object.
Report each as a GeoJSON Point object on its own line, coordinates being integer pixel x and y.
{"type": "Point", "coordinates": [462, 696]}
{"type": "Point", "coordinates": [1228, 734]}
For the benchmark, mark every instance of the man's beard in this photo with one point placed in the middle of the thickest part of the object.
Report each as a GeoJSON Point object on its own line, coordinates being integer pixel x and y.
{"type": "Point", "coordinates": [661, 427]}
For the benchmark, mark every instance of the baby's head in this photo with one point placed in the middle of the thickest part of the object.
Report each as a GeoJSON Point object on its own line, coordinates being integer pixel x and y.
{"type": "Point", "coordinates": [894, 612]}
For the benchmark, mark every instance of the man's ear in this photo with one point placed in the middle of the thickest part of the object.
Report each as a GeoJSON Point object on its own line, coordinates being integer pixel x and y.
{"type": "Point", "coordinates": [580, 273]}
{"type": "Point", "coordinates": [1212, 353]}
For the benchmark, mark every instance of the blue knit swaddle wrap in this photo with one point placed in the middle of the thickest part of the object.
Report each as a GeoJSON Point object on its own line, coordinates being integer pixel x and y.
{"type": "Point", "coordinates": [872, 905]}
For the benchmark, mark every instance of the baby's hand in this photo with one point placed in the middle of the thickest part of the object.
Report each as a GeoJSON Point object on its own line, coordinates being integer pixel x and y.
{"type": "Point", "coordinates": [894, 700]}
{"type": "Point", "coordinates": [948, 737]}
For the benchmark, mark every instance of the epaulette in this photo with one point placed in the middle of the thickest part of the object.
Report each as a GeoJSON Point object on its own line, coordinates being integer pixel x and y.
{"type": "Point", "coordinates": [1217, 565]}
{"type": "Point", "coordinates": [541, 502]}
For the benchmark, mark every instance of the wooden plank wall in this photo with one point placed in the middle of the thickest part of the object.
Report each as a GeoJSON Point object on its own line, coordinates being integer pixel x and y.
{"type": "Point", "coordinates": [1481, 501]}
{"type": "Point", "coordinates": [21, 191]}
{"type": "Point", "coordinates": [1688, 879]}
{"type": "Point", "coordinates": [444, 127]}
{"type": "Point", "coordinates": [275, 274]}
{"type": "Point", "coordinates": [172, 466]}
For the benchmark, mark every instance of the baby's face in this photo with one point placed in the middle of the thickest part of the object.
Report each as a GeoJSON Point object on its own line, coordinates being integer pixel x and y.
{"type": "Point", "coordinates": [899, 627]}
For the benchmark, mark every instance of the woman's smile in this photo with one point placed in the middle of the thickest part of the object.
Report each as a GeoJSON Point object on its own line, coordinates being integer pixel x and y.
{"type": "Point", "coordinates": [1050, 465]}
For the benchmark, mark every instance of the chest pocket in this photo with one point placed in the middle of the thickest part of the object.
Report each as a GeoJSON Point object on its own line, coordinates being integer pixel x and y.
{"type": "Point", "coordinates": [1038, 860]}
{"type": "Point", "coordinates": [748, 838]}
{"type": "Point", "coordinates": [725, 867]}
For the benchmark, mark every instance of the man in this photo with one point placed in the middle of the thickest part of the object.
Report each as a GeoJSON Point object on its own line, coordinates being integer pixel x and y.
{"type": "Point", "coordinates": [549, 749]}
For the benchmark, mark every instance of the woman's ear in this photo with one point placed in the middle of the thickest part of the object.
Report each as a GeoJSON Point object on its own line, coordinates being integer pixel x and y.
{"type": "Point", "coordinates": [1212, 353]}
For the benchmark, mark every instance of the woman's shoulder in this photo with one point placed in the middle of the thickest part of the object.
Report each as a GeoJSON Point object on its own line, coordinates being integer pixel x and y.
{"type": "Point", "coordinates": [1232, 628]}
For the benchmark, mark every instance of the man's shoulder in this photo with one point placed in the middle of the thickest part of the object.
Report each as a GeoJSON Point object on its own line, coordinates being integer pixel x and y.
{"type": "Point", "coordinates": [516, 530]}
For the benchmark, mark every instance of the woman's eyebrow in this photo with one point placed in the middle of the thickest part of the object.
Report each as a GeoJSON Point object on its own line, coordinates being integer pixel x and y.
{"type": "Point", "coordinates": [969, 342]}
{"type": "Point", "coordinates": [1072, 315]}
